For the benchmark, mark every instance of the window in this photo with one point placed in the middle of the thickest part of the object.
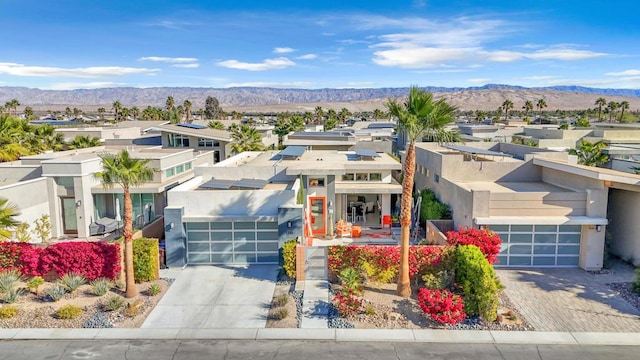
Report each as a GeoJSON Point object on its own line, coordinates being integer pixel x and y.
{"type": "Point", "coordinates": [362, 177]}
{"type": "Point", "coordinates": [179, 169]}
{"type": "Point", "coordinates": [436, 178]}
{"type": "Point", "coordinates": [375, 177]}
{"type": "Point", "coordinates": [177, 140]}
{"type": "Point", "coordinates": [65, 181]}
{"type": "Point", "coordinates": [316, 182]}
{"type": "Point", "coordinates": [187, 166]}
{"type": "Point", "coordinates": [348, 177]}
{"type": "Point", "coordinates": [169, 172]}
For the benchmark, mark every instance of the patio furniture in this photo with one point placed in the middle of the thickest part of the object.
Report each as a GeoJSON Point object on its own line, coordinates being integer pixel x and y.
{"type": "Point", "coordinates": [103, 226]}
{"type": "Point", "coordinates": [343, 228]}
{"type": "Point", "coordinates": [356, 231]}
{"type": "Point", "coordinates": [386, 220]}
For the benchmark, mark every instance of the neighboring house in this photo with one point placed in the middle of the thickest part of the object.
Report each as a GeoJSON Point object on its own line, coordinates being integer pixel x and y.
{"type": "Point", "coordinates": [197, 137]}
{"type": "Point", "coordinates": [63, 186]}
{"type": "Point", "coordinates": [238, 210]}
{"type": "Point", "coordinates": [548, 210]}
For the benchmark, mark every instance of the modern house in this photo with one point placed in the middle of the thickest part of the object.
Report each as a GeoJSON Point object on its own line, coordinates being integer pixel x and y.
{"type": "Point", "coordinates": [548, 210]}
{"type": "Point", "coordinates": [242, 209]}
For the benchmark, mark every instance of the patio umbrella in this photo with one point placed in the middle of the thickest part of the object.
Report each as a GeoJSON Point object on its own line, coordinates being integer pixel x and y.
{"type": "Point", "coordinates": [118, 217]}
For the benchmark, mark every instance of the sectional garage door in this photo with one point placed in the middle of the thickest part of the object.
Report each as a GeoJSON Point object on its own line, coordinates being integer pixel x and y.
{"type": "Point", "coordinates": [539, 245]}
{"type": "Point", "coordinates": [239, 242]}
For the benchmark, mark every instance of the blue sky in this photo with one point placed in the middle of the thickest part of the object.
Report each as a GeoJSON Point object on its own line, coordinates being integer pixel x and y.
{"type": "Point", "coordinates": [67, 44]}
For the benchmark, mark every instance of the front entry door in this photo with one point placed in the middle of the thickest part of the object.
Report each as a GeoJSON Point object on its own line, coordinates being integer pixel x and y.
{"type": "Point", "coordinates": [69, 221]}
{"type": "Point", "coordinates": [318, 206]}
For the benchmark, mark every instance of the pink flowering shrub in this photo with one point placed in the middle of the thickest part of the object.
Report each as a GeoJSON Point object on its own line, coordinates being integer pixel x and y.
{"type": "Point", "coordinates": [488, 241]}
{"type": "Point", "coordinates": [442, 305]}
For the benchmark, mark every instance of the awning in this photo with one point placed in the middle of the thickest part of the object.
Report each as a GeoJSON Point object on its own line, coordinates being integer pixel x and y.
{"type": "Point", "coordinates": [368, 188]}
{"type": "Point", "coordinates": [540, 220]}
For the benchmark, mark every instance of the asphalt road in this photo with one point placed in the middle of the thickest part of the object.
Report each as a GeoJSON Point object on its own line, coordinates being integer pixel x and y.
{"type": "Point", "coordinates": [297, 350]}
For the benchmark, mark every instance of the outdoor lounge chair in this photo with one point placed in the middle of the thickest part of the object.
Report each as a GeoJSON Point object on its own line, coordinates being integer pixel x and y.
{"type": "Point", "coordinates": [103, 226]}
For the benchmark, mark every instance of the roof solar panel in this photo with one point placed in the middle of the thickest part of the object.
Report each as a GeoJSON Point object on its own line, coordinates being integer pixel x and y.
{"type": "Point", "coordinates": [293, 151]}
{"type": "Point", "coordinates": [218, 184]}
{"type": "Point", "coordinates": [251, 183]}
{"type": "Point", "coordinates": [368, 153]}
{"type": "Point", "coordinates": [476, 151]}
{"type": "Point", "coordinates": [193, 126]}
{"type": "Point", "coordinates": [381, 126]}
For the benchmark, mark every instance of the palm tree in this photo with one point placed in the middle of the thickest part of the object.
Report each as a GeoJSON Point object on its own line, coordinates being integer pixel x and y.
{"type": "Point", "coordinates": [218, 125]}
{"type": "Point", "coordinates": [528, 106]}
{"type": "Point", "coordinates": [600, 102]}
{"type": "Point", "coordinates": [507, 105]}
{"type": "Point", "coordinates": [117, 107]}
{"type": "Point", "coordinates": [84, 141]}
{"type": "Point", "coordinates": [8, 213]}
{"type": "Point", "coordinates": [624, 105]}
{"type": "Point", "coordinates": [307, 116]}
{"type": "Point", "coordinates": [101, 112]}
{"type": "Point", "coordinates": [125, 171]}
{"type": "Point", "coordinates": [343, 115]}
{"type": "Point", "coordinates": [12, 105]}
{"type": "Point", "coordinates": [187, 110]}
{"type": "Point", "coordinates": [170, 103]}
{"type": "Point", "coordinates": [541, 104]}
{"type": "Point", "coordinates": [480, 115]}
{"type": "Point", "coordinates": [378, 114]}
{"type": "Point", "coordinates": [420, 115]}
{"type": "Point", "coordinates": [245, 138]}
{"type": "Point", "coordinates": [319, 114]}
{"type": "Point", "coordinates": [612, 106]}
{"type": "Point", "coordinates": [28, 112]}
{"type": "Point", "coordinates": [135, 112]}
{"type": "Point", "coordinates": [590, 154]}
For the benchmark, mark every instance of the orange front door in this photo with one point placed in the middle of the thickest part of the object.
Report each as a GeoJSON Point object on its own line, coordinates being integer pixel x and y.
{"type": "Point", "coordinates": [318, 218]}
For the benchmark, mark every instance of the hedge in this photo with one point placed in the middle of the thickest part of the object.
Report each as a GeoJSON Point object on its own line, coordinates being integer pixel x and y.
{"type": "Point", "coordinates": [145, 259]}
{"type": "Point", "coordinates": [478, 282]}
{"type": "Point", "coordinates": [289, 258]}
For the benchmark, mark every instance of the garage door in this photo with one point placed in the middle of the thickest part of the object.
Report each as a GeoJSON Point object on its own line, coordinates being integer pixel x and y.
{"type": "Point", "coordinates": [539, 245]}
{"type": "Point", "coordinates": [236, 243]}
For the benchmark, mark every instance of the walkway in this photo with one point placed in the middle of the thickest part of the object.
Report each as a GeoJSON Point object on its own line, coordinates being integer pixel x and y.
{"type": "Point", "coordinates": [315, 302]}
{"type": "Point", "coordinates": [571, 299]}
{"type": "Point", "coordinates": [214, 297]}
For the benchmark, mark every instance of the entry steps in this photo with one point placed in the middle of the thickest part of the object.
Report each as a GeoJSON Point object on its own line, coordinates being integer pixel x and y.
{"type": "Point", "coordinates": [315, 301]}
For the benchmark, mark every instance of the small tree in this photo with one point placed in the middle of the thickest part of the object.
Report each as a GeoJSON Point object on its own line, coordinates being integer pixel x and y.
{"type": "Point", "coordinates": [43, 228]}
{"type": "Point", "coordinates": [22, 232]}
{"type": "Point", "coordinates": [590, 154]}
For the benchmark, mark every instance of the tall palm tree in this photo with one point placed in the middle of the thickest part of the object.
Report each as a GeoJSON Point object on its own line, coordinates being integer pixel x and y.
{"type": "Point", "coordinates": [528, 106]}
{"type": "Point", "coordinates": [170, 103]}
{"type": "Point", "coordinates": [84, 141]}
{"type": "Point", "coordinates": [480, 115]}
{"type": "Point", "coordinates": [187, 110]}
{"type": "Point", "coordinates": [125, 171]}
{"type": "Point", "coordinates": [612, 106]}
{"type": "Point", "coordinates": [135, 112]}
{"type": "Point", "coordinates": [307, 116]}
{"type": "Point", "coordinates": [378, 114]}
{"type": "Point", "coordinates": [343, 115]}
{"type": "Point", "coordinates": [12, 105]}
{"type": "Point", "coordinates": [101, 112]}
{"type": "Point", "coordinates": [420, 115]}
{"type": "Point", "coordinates": [590, 154]}
{"type": "Point", "coordinates": [246, 138]}
{"type": "Point", "coordinates": [319, 114]}
{"type": "Point", "coordinates": [8, 221]}
{"type": "Point", "coordinates": [541, 104]}
{"type": "Point", "coordinates": [600, 102]}
{"type": "Point", "coordinates": [507, 105]}
{"type": "Point", "coordinates": [117, 107]}
{"type": "Point", "coordinates": [624, 105]}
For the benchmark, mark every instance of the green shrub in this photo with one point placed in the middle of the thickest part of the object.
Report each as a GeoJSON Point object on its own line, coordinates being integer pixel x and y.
{"type": "Point", "coordinates": [636, 283]}
{"type": "Point", "coordinates": [154, 289]}
{"type": "Point", "coordinates": [431, 208]}
{"type": "Point", "coordinates": [72, 281]}
{"type": "Point", "coordinates": [56, 292]}
{"type": "Point", "coordinates": [8, 278]}
{"type": "Point", "coordinates": [12, 295]}
{"type": "Point", "coordinates": [35, 283]}
{"type": "Point", "coordinates": [100, 286]}
{"type": "Point", "coordinates": [369, 310]}
{"type": "Point", "coordinates": [113, 303]}
{"type": "Point", "coordinates": [378, 274]}
{"type": "Point", "coordinates": [478, 282]}
{"type": "Point", "coordinates": [351, 280]}
{"type": "Point", "coordinates": [8, 311]}
{"type": "Point", "coordinates": [289, 258]}
{"type": "Point", "coordinates": [69, 312]}
{"type": "Point", "coordinates": [145, 259]}
{"type": "Point", "coordinates": [439, 280]}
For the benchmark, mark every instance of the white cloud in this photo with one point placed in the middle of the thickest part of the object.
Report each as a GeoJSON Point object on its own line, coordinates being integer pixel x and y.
{"type": "Point", "coordinates": [267, 64]}
{"type": "Point", "coordinates": [186, 66]}
{"type": "Point", "coordinates": [283, 50]}
{"type": "Point", "coordinates": [90, 85]}
{"type": "Point", "coordinates": [170, 60]}
{"type": "Point", "coordinates": [631, 72]}
{"type": "Point", "coordinates": [419, 57]}
{"type": "Point", "coordinates": [85, 72]}
{"type": "Point", "coordinates": [307, 57]}
{"type": "Point", "coordinates": [563, 54]}
{"type": "Point", "coordinates": [479, 81]}
{"type": "Point", "coordinates": [293, 84]}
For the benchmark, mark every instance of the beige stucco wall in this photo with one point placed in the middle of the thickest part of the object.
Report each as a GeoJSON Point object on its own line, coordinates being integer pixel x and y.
{"type": "Point", "coordinates": [624, 228]}
{"type": "Point", "coordinates": [31, 197]}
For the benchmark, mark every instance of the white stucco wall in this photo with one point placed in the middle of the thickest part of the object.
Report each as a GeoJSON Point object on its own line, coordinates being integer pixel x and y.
{"type": "Point", "coordinates": [30, 196]}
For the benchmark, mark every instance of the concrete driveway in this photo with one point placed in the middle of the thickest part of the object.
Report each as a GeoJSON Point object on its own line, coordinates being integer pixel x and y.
{"type": "Point", "coordinates": [208, 297]}
{"type": "Point", "coordinates": [571, 299]}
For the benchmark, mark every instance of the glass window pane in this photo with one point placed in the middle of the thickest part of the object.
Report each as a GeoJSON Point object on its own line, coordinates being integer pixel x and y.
{"type": "Point", "coordinates": [502, 261]}
{"type": "Point", "coordinates": [198, 246]}
{"type": "Point", "coordinates": [198, 236]}
{"type": "Point", "coordinates": [268, 235]}
{"type": "Point", "coordinates": [271, 225]}
{"type": "Point", "coordinates": [544, 249]}
{"type": "Point", "coordinates": [267, 258]}
{"type": "Point", "coordinates": [222, 258]}
{"type": "Point", "coordinates": [569, 250]}
{"type": "Point", "coordinates": [220, 226]}
{"type": "Point", "coordinates": [244, 246]}
{"type": "Point", "coordinates": [244, 258]}
{"type": "Point", "coordinates": [504, 249]}
{"type": "Point", "coordinates": [347, 177]}
{"type": "Point", "coordinates": [545, 238]}
{"type": "Point", "coordinates": [222, 236]}
{"type": "Point", "coordinates": [569, 238]}
{"type": "Point", "coordinates": [244, 225]}
{"type": "Point", "coordinates": [499, 228]}
{"type": "Point", "coordinates": [546, 228]}
{"type": "Point", "coordinates": [520, 260]}
{"type": "Point", "coordinates": [199, 258]}
{"type": "Point", "coordinates": [520, 238]}
{"type": "Point", "coordinates": [179, 169]}
{"type": "Point", "coordinates": [244, 235]}
{"type": "Point", "coordinates": [375, 177]}
{"type": "Point", "coordinates": [197, 226]}
{"type": "Point", "coordinates": [222, 246]}
{"type": "Point", "coordinates": [521, 228]}
{"type": "Point", "coordinates": [267, 246]}
{"type": "Point", "coordinates": [503, 236]}
{"type": "Point", "coordinates": [568, 261]}
{"type": "Point", "coordinates": [187, 166]}
{"type": "Point", "coordinates": [361, 176]}
{"type": "Point", "coordinates": [544, 260]}
{"type": "Point", "coordinates": [520, 249]}
{"type": "Point", "coordinates": [169, 172]}
{"type": "Point", "coordinates": [570, 228]}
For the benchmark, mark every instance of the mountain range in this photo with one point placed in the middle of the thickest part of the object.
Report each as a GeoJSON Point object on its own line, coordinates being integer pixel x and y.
{"type": "Point", "coordinates": [487, 97]}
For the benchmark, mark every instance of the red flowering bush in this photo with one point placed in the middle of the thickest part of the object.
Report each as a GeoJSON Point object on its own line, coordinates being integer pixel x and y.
{"type": "Point", "coordinates": [91, 259]}
{"type": "Point", "coordinates": [442, 305]}
{"type": "Point", "coordinates": [10, 253]}
{"type": "Point", "coordinates": [488, 241]}
{"type": "Point", "coordinates": [347, 302]}
{"type": "Point", "coordinates": [382, 257]}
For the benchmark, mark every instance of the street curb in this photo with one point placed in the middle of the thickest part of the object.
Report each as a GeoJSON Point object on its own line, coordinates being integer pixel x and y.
{"type": "Point", "coordinates": [341, 335]}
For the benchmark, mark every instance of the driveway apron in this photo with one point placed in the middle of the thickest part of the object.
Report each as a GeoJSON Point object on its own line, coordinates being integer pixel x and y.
{"type": "Point", "coordinates": [214, 297]}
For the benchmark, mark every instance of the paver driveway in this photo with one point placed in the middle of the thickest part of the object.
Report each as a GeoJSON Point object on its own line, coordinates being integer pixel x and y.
{"type": "Point", "coordinates": [571, 299]}
{"type": "Point", "coordinates": [216, 297]}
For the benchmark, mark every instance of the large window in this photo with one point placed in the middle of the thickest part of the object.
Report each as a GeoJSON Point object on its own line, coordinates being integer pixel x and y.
{"type": "Point", "coordinates": [178, 140]}
{"type": "Point", "coordinates": [316, 182]}
{"type": "Point", "coordinates": [143, 207]}
{"type": "Point", "coordinates": [362, 177]}
{"type": "Point", "coordinates": [208, 143]}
